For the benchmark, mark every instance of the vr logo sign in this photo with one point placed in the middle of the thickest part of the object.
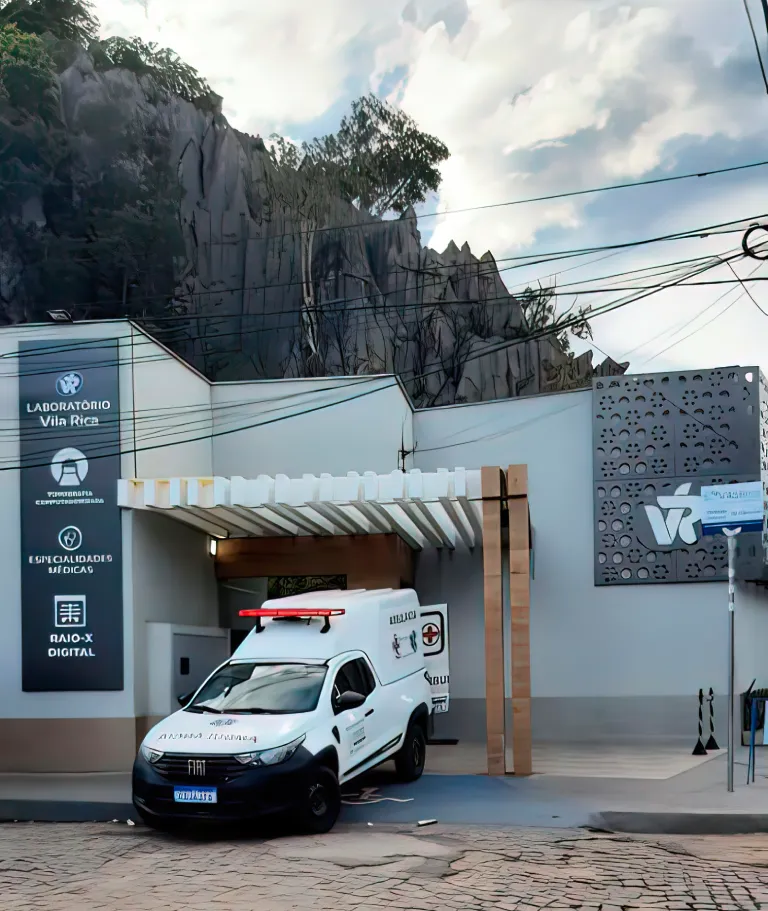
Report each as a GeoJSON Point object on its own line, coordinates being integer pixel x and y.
{"type": "Point", "coordinates": [675, 520]}
{"type": "Point", "coordinates": [675, 516]}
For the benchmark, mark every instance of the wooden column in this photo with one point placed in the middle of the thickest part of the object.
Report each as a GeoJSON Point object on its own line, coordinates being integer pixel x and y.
{"type": "Point", "coordinates": [493, 491]}
{"type": "Point", "coordinates": [520, 606]}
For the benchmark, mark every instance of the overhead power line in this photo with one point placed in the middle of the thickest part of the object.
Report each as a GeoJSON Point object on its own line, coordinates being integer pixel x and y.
{"type": "Point", "coordinates": [483, 269]}
{"type": "Point", "coordinates": [377, 311]}
{"type": "Point", "coordinates": [666, 330]}
{"type": "Point", "coordinates": [726, 259]}
{"type": "Point", "coordinates": [700, 314]}
{"type": "Point", "coordinates": [374, 313]}
{"type": "Point", "coordinates": [412, 374]}
{"type": "Point", "coordinates": [75, 346]}
{"type": "Point", "coordinates": [493, 435]}
{"type": "Point", "coordinates": [746, 289]}
{"type": "Point", "coordinates": [576, 292]}
{"type": "Point", "coordinates": [757, 45]}
{"type": "Point", "coordinates": [603, 189]}
{"type": "Point", "coordinates": [565, 194]}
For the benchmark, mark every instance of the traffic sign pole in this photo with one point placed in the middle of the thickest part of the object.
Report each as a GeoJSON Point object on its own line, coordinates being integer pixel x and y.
{"type": "Point", "coordinates": [731, 535]}
{"type": "Point", "coordinates": [729, 509]}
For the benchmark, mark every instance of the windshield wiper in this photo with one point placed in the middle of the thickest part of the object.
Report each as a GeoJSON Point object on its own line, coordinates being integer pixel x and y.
{"type": "Point", "coordinates": [251, 712]}
{"type": "Point", "coordinates": [203, 708]}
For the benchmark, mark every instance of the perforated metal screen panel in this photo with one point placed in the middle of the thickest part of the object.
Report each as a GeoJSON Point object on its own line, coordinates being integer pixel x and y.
{"type": "Point", "coordinates": [657, 439]}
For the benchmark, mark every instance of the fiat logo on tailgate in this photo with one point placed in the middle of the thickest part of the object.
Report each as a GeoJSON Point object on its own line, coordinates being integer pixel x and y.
{"type": "Point", "coordinates": [196, 767]}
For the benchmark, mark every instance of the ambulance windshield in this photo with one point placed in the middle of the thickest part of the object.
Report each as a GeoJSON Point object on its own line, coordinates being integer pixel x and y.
{"type": "Point", "coordinates": [249, 688]}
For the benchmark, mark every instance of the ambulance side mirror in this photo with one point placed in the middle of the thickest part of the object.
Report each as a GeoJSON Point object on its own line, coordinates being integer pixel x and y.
{"type": "Point", "coordinates": [350, 700]}
{"type": "Point", "coordinates": [183, 700]}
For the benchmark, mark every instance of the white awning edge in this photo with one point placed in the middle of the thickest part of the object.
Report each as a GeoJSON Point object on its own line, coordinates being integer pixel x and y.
{"type": "Point", "coordinates": [427, 509]}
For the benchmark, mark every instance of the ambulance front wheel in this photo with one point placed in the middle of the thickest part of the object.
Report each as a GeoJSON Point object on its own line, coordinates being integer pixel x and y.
{"type": "Point", "coordinates": [322, 803]}
{"type": "Point", "coordinates": [409, 761]}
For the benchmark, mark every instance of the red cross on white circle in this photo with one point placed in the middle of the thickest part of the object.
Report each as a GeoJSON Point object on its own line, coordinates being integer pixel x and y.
{"type": "Point", "coordinates": [430, 633]}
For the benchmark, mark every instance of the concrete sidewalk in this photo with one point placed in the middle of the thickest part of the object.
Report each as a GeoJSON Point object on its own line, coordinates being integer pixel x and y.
{"type": "Point", "coordinates": [693, 802]}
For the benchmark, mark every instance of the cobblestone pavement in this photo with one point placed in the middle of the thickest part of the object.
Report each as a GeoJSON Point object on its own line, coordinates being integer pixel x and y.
{"type": "Point", "coordinates": [122, 868]}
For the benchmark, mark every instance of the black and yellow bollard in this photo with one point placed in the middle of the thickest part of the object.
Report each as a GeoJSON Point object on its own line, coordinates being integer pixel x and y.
{"type": "Point", "coordinates": [700, 749]}
{"type": "Point", "coordinates": [711, 743]}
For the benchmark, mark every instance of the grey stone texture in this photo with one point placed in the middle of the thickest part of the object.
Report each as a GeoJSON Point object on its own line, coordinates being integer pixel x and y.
{"type": "Point", "coordinates": [383, 302]}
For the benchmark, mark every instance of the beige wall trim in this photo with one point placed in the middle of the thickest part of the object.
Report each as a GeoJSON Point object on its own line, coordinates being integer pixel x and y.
{"type": "Point", "coordinates": [493, 492]}
{"type": "Point", "coordinates": [67, 744]}
{"type": "Point", "coordinates": [520, 608]}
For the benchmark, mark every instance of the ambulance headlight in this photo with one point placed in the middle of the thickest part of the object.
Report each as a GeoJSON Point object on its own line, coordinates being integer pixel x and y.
{"type": "Point", "coordinates": [271, 757]}
{"type": "Point", "coordinates": [151, 755]}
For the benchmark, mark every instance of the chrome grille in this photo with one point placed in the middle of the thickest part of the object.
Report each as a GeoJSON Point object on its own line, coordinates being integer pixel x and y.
{"type": "Point", "coordinates": [183, 768]}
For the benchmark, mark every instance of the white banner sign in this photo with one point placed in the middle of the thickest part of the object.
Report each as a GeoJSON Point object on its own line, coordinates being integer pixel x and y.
{"type": "Point", "coordinates": [732, 506]}
{"type": "Point", "coordinates": [434, 640]}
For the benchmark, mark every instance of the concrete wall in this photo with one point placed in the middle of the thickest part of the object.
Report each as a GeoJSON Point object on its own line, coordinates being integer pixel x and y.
{"type": "Point", "coordinates": [358, 425]}
{"type": "Point", "coordinates": [173, 581]}
{"type": "Point", "coordinates": [171, 434]}
{"type": "Point", "coordinates": [455, 578]}
{"type": "Point", "coordinates": [606, 662]}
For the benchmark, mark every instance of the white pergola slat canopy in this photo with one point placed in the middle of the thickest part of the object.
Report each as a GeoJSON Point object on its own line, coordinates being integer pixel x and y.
{"type": "Point", "coordinates": [427, 509]}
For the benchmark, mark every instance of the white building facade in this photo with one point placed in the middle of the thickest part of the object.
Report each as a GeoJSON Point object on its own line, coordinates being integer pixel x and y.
{"type": "Point", "coordinates": [607, 661]}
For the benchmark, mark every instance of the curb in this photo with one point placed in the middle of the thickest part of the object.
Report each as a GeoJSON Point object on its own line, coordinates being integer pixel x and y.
{"type": "Point", "coordinates": [713, 823]}
{"type": "Point", "coordinates": [64, 811]}
{"type": "Point", "coordinates": [628, 822]}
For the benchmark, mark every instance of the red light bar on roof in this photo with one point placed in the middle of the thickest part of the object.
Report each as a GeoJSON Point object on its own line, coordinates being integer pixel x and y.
{"type": "Point", "coordinates": [297, 613]}
{"type": "Point", "coordinates": [293, 612]}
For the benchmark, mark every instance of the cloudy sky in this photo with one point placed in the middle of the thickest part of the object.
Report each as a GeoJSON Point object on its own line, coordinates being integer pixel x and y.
{"type": "Point", "coordinates": [532, 97]}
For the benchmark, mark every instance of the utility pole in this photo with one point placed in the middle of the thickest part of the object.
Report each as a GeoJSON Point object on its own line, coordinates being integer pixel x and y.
{"type": "Point", "coordinates": [403, 453]}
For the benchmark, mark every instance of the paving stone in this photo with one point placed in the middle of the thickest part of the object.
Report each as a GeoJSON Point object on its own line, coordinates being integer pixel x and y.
{"type": "Point", "coordinates": [103, 868]}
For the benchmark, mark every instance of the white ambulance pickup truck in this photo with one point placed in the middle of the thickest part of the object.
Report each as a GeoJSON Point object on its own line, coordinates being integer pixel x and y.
{"type": "Point", "coordinates": [325, 687]}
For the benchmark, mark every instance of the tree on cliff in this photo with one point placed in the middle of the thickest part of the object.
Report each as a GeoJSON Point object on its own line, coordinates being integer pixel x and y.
{"type": "Point", "coordinates": [540, 313]}
{"type": "Point", "coordinates": [27, 76]}
{"type": "Point", "coordinates": [75, 21]}
{"type": "Point", "coordinates": [379, 161]}
{"type": "Point", "coordinates": [165, 68]}
{"type": "Point", "coordinates": [85, 222]}
{"type": "Point", "coordinates": [70, 20]}
{"type": "Point", "coordinates": [382, 160]}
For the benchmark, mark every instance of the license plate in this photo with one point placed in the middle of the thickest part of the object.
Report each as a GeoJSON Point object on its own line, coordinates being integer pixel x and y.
{"type": "Point", "coordinates": [194, 795]}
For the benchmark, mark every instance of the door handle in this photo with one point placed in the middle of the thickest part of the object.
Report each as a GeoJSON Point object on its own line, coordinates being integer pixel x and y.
{"type": "Point", "coordinates": [369, 712]}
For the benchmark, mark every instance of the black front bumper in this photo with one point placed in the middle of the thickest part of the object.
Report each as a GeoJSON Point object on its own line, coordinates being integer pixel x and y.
{"type": "Point", "coordinates": [245, 794]}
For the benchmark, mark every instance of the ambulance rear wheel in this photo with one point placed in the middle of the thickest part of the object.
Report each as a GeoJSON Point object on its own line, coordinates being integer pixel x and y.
{"type": "Point", "coordinates": [409, 761]}
{"type": "Point", "coordinates": [322, 803]}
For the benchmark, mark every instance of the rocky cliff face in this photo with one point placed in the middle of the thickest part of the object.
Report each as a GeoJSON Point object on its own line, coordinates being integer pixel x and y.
{"type": "Point", "coordinates": [383, 302]}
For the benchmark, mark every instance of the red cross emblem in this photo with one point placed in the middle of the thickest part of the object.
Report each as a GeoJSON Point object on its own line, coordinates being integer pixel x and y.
{"type": "Point", "coordinates": [430, 633]}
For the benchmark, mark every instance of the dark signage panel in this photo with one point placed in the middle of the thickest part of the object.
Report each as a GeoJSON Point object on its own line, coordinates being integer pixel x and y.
{"type": "Point", "coordinates": [658, 438]}
{"type": "Point", "coordinates": [71, 546]}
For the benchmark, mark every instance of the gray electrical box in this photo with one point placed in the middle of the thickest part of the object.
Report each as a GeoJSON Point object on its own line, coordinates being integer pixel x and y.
{"type": "Point", "coordinates": [194, 658]}
{"type": "Point", "coordinates": [179, 658]}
